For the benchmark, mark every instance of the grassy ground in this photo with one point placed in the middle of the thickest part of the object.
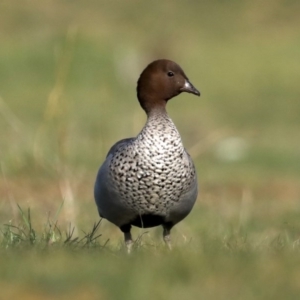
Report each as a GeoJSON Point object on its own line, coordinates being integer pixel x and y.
{"type": "Point", "coordinates": [68, 74]}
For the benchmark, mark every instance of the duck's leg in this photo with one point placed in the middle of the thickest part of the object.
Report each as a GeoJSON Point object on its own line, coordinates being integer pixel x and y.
{"type": "Point", "coordinates": [127, 237]}
{"type": "Point", "coordinates": [166, 234]}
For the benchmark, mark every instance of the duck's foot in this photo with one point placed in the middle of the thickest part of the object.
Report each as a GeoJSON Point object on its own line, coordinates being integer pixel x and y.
{"type": "Point", "coordinates": [127, 237]}
{"type": "Point", "coordinates": [167, 236]}
{"type": "Point", "coordinates": [128, 241]}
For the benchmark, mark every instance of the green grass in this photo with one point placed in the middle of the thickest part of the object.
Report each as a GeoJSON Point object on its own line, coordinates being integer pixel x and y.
{"type": "Point", "coordinates": [231, 259]}
{"type": "Point", "coordinates": [68, 74]}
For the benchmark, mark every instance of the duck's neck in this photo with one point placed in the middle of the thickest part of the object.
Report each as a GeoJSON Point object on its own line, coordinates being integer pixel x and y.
{"type": "Point", "coordinates": [159, 120]}
{"type": "Point", "coordinates": [157, 113]}
{"type": "Point", "coordinates": [160, 130]}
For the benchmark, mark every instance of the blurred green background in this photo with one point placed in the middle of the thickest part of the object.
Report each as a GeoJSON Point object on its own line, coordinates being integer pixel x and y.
{"type": "Point", "coordinates": [68, 72]}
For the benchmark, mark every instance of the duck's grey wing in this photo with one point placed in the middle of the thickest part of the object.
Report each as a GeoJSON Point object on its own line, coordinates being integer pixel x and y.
{"type": "Point", "coordinates": [118, 144]}
{"type": "Point", "coordinates": [107, 198]}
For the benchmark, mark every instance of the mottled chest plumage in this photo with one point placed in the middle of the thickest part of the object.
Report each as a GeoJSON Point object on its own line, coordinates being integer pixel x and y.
{"type": "Point", "coordinates": [152, 171]}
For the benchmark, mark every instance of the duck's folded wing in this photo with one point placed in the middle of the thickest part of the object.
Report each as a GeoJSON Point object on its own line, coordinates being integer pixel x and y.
{"type": "Point", "coordinates": [118, 144]}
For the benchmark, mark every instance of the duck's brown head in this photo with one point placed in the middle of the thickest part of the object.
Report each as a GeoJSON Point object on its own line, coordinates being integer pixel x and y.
{"type": "Point", "coordinates": [160, 81]}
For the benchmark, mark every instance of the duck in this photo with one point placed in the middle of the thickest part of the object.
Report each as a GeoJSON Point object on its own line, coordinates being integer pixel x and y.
{"type": "Point", "coordinates": [150, 180]}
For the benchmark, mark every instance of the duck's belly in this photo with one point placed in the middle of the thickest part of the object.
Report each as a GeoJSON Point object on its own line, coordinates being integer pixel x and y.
{"type": "Point", "coordinates": [152, 185]}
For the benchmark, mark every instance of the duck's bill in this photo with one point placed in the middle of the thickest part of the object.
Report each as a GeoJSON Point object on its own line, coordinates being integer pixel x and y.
{"type": "Point", "coordinates": [189, 88]}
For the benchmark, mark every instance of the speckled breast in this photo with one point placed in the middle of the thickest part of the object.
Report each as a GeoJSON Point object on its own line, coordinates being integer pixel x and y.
{"type": "Point", "coordinates": [151, 172]}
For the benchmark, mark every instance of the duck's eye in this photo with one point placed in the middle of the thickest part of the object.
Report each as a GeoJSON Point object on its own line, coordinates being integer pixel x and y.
{"type": "Point", "coordinates": [170, 74]}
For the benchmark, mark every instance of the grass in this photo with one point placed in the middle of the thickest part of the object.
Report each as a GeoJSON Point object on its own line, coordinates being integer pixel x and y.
{"type": "Point", "coordinates": [220, 262]}
{"type": "Point", "coordinates": [25, 235]}
{"type": "Point", "coordinates": [68, 73]}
